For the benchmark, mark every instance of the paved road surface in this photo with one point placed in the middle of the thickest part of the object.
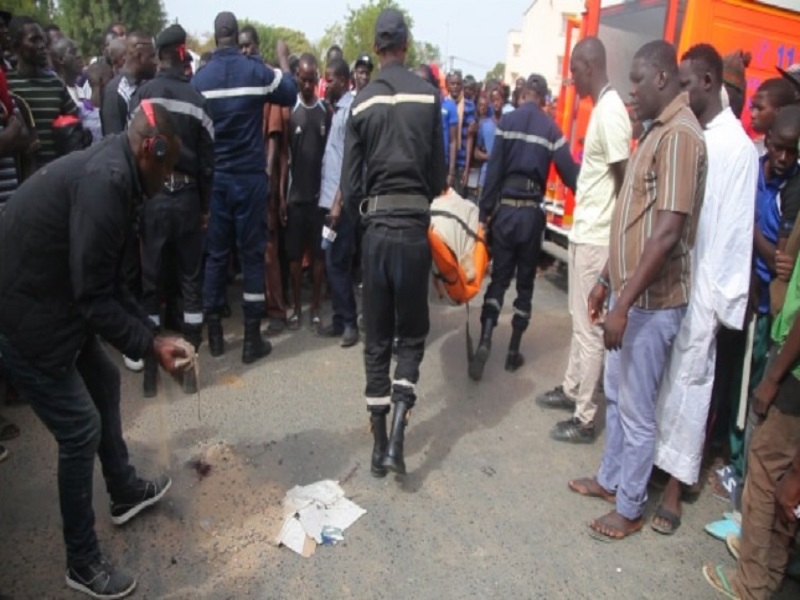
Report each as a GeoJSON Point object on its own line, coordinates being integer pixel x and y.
{"type": "Point", "coordinates": [484, 512]}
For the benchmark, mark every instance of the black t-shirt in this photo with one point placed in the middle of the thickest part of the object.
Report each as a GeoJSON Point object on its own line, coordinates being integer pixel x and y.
{"type": "Point", "coordinates": [308, 134]}
{"type": "Point", "coordinates": [790, 204]}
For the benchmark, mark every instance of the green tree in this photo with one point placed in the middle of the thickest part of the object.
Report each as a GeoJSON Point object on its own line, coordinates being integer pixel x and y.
{"type": "Point", "coordinates": [85, 21]}
{"type": "Point", "coordinates": [427, 53]}
{"type": "Point", "coordinates": [333, 36]}
{"type": "Point", "coordinates": [41, 10]}
{"type": "Point", "coordinates": [498, 72]}
{"type": "Point", "coordinates": [359, 29]}
{"type": "Point", "coordinates": [268, 36]}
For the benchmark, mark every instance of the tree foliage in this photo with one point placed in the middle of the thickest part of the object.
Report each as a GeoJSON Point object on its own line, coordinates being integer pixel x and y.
{"type": "Point", "coordinates": [41, 10]}
{"type": "Point", "coordinates": [498, 72]}
{"type": "Point", "coordinates": [268, 36]}
{"type": "Point", "coordinates": [359, 29]}
{"type": "Point", "coordinates": [427, 53]}
{"type": "Point", "coordinates": [85, 21]}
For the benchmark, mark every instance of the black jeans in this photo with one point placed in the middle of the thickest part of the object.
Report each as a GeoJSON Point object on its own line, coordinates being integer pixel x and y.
{"type": "Point", "coordinates": [339, 263]}
{"type": "Point", "coordinates": [82, 412]}
{"type": "Point", "coordinates": [396, 264]}
{"type": "Point", "coordinates": [517, 235]}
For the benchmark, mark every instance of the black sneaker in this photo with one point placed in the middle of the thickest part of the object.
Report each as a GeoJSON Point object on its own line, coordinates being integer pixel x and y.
{"type": "Point", "coordinates": [100, 580]}
{"type": "Point", "coordinates": [556, 398]}
{"type": "Point", "coordinates": [349, 337]}
{"type": "Point", "coordinates": [573, 431]}
{"type": "Point", "coordinates": [143, 494]}
{"type": "Point", "coordinates": [330, 331]}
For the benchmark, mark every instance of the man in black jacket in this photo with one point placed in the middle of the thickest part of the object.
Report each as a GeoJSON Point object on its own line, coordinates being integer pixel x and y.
{"type": "Point", "coordinates": [62, 237]}
{"type": "Point", "coordinates": [173, 217]}
{"type": "Point", "coordinates": [393, 168]}
{"type": "Point", "coordinates": [140, 65]}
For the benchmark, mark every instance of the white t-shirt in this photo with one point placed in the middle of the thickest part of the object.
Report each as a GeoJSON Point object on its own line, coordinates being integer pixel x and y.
{"type": "Point", "coordinates": [608, 141]}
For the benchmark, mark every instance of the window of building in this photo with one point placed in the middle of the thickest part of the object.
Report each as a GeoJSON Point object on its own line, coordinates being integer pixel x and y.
{"type": "Point", "coordinates": [516, 49]}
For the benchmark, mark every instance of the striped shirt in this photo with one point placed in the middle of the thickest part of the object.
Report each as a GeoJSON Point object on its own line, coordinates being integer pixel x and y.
{"type": "Point", "coordinates": [666, 173]}
{"type": "Point", "coordinates": [48, 98]}
{"type": "Point", "coordinates": [8, 175]}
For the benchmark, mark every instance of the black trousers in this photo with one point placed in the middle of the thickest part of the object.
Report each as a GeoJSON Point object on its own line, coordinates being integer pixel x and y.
{"type": "Point", "coordinates": [517, 235]}
{"type": "Point", "coordinates": [172, 221]}
{"type": "Point", "coordinates": [396, 264]}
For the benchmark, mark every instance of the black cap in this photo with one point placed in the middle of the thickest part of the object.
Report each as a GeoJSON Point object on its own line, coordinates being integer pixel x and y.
{"type": "Point", "coordinates": [390, 30]}
{"type": "Point", "coordinates": [225, 25]}
{"type": "Point", "coordinates": [174, 35]}
{"type": "Point", "coordinates": [538, 84]}
{"type": "Point", "coordinates": [791, 74]}
{"type": "Point", "coordinates": [365, 60]}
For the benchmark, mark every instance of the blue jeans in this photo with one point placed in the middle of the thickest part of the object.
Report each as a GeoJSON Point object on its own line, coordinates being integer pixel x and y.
{"type": "Point", "coordinates": [238, 209]}
{"type": "Point", "coordinates": [633, 375]}
{"type": "Point", "coordinates": [82, 412]}
{"type": "Point", "coordinates": [339, 263]}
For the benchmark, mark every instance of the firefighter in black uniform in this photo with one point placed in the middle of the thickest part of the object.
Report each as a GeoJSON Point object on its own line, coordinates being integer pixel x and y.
{"type": "Point", "coordinates": [393, 168]}
{"type": "Point", "coordinates": [172, 220]}
{"type": "Point", "coordinates": [527, 141]}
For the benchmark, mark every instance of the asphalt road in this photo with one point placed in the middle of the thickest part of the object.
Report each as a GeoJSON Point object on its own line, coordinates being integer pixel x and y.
{"type": "Point", "coordinates": [483, 513]}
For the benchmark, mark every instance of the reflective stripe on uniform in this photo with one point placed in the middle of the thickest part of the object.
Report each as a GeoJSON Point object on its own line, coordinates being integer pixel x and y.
{"type": "Point", "coordinates": [394, 100]}
{"type": "Point", "coordinates": [245, 91]}
{"type": "Point", "coordinates": [193, 318]}
{"type": "Point", "coordinates": [253, 297]}
{"type": "Point", "coordinates": [383, 401]}
{"type": "Point", "coordinates": [531, 139]}
{"type": "Point", "coordinates": [187, 108]}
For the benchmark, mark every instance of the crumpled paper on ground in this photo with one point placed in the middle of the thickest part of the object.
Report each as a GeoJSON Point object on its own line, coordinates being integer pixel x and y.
{"type": "Point", "coordinates": [309, 508]}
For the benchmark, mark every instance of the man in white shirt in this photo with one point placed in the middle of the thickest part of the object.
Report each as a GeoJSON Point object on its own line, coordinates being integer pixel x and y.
{"type": "Point", "coordinates": [605, 157]}
{"type": "Point", "coordinates": [721, 267]}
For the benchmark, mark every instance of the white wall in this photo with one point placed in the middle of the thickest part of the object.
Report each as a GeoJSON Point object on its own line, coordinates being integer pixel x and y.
{"type": "Point", "coordinates": [540, 42]}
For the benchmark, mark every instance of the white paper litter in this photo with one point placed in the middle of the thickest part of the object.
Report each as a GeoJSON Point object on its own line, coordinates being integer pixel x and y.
{"type": "Point", "coordinates": [307, 509]}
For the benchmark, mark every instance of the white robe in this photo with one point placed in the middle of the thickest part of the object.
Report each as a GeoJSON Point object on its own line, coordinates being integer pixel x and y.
{"type": "Point", "coordinates": [721, 263]}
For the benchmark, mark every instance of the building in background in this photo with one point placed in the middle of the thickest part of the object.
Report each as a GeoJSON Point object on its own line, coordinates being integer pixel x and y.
{"type": "Point", "coordinates": [538, 47]}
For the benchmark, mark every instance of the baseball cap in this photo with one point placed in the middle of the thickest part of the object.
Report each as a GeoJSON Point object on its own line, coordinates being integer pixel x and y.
{"type": "Point", "coordinates": [390, 30]}
{"type": "Point", "coordinates": [174, 35]}
{"type": "Point", "coordinates": [792, 74]}
{"type": "Point", "coordinates": [365, 60]}
{"type": "Point", "coordinates": [225, 25]}
{"type": "Point", "coordinates": [538, 84]}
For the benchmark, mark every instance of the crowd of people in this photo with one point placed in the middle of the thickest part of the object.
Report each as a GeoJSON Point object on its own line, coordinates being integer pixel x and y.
{"type": "Point", "coordinates": [683, 286]}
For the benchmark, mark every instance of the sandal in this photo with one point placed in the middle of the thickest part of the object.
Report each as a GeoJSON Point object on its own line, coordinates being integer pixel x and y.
{"type": "Point", "coordinates": [721, 529]}
{"type": "Point", "coordinates": [732, 543]}
{"type": "Point", "coordinates": [8, 431]}
{"type": "Point", "coordinates": [673, 521]}
{"type": "Point", "coordinates": [294, 322]}
{"type": "Point", "coordinates": [717, 577]}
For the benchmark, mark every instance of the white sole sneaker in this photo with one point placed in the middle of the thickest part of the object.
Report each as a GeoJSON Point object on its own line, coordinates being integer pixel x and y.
{"type": "Point", "coordinates": [133, 365]}
{"type": "Point", "coordinates": [135, 510]}
{"type": "Point", "coordinates": [79, 587]}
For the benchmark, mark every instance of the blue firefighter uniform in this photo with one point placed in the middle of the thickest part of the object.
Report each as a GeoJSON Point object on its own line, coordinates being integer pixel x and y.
{"type": "Point", "coordinates": [527, 141]}
{"type": "Point", "coordinates": [236, 88]}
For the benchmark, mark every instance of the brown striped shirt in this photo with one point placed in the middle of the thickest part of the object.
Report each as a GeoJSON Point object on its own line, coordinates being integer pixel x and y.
{"type": "Point", "coordinates": [666, 173]}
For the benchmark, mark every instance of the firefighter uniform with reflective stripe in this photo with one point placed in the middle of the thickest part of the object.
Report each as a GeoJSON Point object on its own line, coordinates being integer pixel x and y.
{"type": "Point", "coordinates": [236, 88]}
{"type": "Point", "coordinates": [527, 141]}
{"type": "Point", "coordinates": [393, 168]}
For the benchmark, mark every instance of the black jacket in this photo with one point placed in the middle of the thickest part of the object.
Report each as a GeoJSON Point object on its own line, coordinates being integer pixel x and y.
{"type": "Point", "coordinates": [172, 90]}
{"type": "Point", "coordinates": [61, 245]}
{"type": "Point", "coordinates": [114, 109]}
{"type": "Point", "coordinates": [526, 143]}
{"type": "Point", "coordinates": [395, 131]}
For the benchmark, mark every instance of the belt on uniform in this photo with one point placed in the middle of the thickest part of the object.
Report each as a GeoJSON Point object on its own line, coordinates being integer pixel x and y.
{"type": "Point", "coordinates": [393, 202]}
{"type": "Point", "coordinates": [516, 203]}
{"type": "Point", "coordinates": [522, 184]}
{"type": "Point", "coordinates": [178, 181]}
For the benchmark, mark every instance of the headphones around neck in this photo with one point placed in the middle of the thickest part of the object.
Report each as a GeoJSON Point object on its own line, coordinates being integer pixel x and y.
{"type": "Point", "coordinates": [156, 145]}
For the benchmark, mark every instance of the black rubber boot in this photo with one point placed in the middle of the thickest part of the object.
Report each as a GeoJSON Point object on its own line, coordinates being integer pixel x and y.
{"type": "Point", "coordinates": [255, 346]}
{"type": "Point", "coordinates": [377, 424]}
{"type": "Point", "coordinates": [478, 361]}
{"type": "Point", "coordinates": [216, 341]}
{"type": "Point", "coordinates": [194, 335]}
{"type": "Point", "coordinates": [394, 461]}
{"type": "Point", "coordinates": [150, 385]}
{"type": "Point", "coordinates": [514, 360]}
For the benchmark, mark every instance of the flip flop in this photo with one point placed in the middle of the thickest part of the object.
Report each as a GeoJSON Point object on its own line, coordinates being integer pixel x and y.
{"type": "Point", "coordinates": [668, 516]}
{"type": "Point", "coordinates": [721, 529]}
{"type": "Point", "coordinates": [8, 431]}
{"type": "Point", "coordinates": [717, 579]}
{"type": "Point", "coordinates": [732, 543]}
{"type": "Point", "coordinates": [733, 515]}
{"type": "Point", "coordinates": [293, 324]}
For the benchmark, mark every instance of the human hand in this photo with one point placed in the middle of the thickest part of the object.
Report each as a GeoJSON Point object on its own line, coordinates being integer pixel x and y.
{"type": "Point", "coordinates": [764, 395]}
{"type": "Point", "coordinates": [787, 496]}
{"type": "Point", "coordinates": [451, 180]}
{"type": "Point", "coordinates": [335, 214]}
{"type": "Point", "coordinates": [169, 351]}
{"type": "Point", "coordinates": [784, 265]}
{"type": "Point", "coordinates": [614, 327]}
{"type": "Point", "coordinates": [597, 303]}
